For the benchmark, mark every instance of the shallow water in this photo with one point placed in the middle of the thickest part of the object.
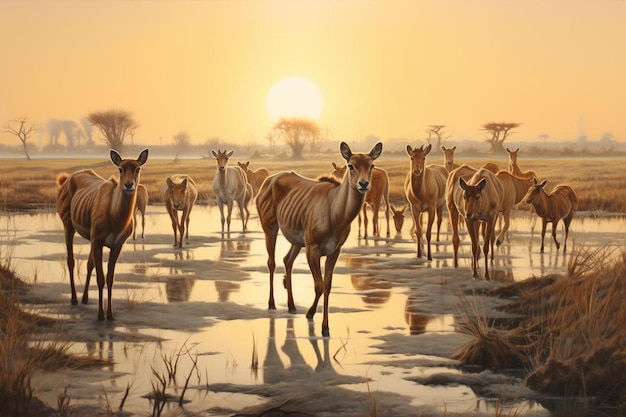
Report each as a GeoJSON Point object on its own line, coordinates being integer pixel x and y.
{"type": "Point", "coordinates": [392, 316]}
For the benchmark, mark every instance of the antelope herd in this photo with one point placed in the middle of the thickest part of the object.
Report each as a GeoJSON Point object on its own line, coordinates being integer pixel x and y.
{"type": "Point", "coordinates": [314, 214]}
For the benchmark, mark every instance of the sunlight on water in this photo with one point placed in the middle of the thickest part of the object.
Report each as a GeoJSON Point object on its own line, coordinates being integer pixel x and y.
{"type": "Point", "coordinates": [379, 288]}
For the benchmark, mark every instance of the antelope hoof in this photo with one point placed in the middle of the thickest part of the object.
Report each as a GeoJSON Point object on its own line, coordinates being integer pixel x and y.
{"type": "Point", "coordinates": [325, 332]}
{"type": "Point", "coordinates": [558, 245]}
{"type": "Point", "coordinates": [101, 317]}
{"type": "Point", "coordinates": [85, 301]}
{"type": "Point", "coordinates": [498, 242]}
{"type": "Point", "coordinates": [110, 317]}
{"type": "Point", "coordinates": [292, 311]}
{"type": "Point", "coordinates": [74, 302]}
{"type": "Point", "coordinates": [271, 306]}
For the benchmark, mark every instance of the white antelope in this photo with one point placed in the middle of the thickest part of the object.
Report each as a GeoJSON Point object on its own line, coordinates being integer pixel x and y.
{"type": "Point", "coordinates": [378, 192]}
{"type": "Point", "coordinates": [316, 215]}
{"type": "Point", "coordinates": [229, 186]}
{"type": "Point", "coordinates": [101, 211]}
{"type": "Point", "coordinates": [425, 189]}
{"type": "Point", "coordinates": [180, 194]}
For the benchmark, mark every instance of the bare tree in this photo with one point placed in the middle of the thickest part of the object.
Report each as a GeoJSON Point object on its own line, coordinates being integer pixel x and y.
{"type": "Point", "coordinates": [438, 132]}
{"type": "Point", "coordinates": [115, 125]}
{"type": "Point", "coordinates": [23, 129]}
{"type": "Point", "coordinates": [498, 132]}
{"type": "Point", "coordinates": [271, 138]}
{"type": "Point", "coordinates": [181, 142]}
{"type": "Point", "coordinates": [296, 133]}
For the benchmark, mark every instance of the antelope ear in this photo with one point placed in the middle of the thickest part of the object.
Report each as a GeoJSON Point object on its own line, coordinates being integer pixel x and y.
{"type": "Point", "coordinates": [428, 148]}
{"type": "Point", "coordinates": [334, 165]}
{"type": "Point", "coordinates": [482, 184]}
{"type": "Point", "coordinates": [169, 182]}
{"type": "Point", "coordinates": [392, 207]}
{"type": "Point", "coordinates": [143, 157]}
{"type": "Point", "coordinates": [229, 154]}
{"type": "Point", "coordinates": [462, 183]}
{"type": "Point", "coordinates": [376, 150]}
{"type": "Point", "coordinates": [508, 150]}
{"type": "Point", "coordinates": [346, 153]}
{"type": "Point", "coordinates": [535, 180]}
{"type": "Point", "coordinates": [184, 183]}
{"type": "Point", "coordinates": [454, 148]}
{"type": "Point", "coordinates": [214, 154]}
{"type": "Point", "coordinates": [409, 150]}
{"type": "Point", "coordinates": [543, 183]}
{"type": "Point", "coordinates": [116, 158]}
{"type": "Point", "coordinates": [404, 207]}
{"type": "Point", "coordinates": [443, 148]}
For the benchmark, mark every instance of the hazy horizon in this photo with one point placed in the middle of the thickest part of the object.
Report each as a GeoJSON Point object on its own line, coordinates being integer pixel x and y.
{"type": "Point", "coordinates": [387, 69]}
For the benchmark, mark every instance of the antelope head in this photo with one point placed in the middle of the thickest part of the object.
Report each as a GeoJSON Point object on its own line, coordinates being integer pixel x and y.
{"type": "Point", "coordinates": [244, 165]}
{"type": "Point", "coordinates": [449, 154]}
{"type": "Point", "coordinates": [222, 159]}
{"type": "Point", "coordinates": [360, 166]}
{"type": "Point", "coordinates": [178, 193]}
{"type": "Point", "coordinates": [418, 158]}
{"type": "Point", "coordinates": [472, 197]}
{"type": "Point", "coordinates": [338, 171]}
{"type": "Point", "coordinates": [533, 192]}
{"type": "Point", "coordinates": [129, 169]}
{"type": "Point", "coordinates": [512, 155]}
{"type": "Point", "coordinates": [398, 216]}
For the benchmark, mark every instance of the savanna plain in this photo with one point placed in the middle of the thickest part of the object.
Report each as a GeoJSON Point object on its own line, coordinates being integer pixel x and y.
{"type": "Point", "coordinates": [409, 337]}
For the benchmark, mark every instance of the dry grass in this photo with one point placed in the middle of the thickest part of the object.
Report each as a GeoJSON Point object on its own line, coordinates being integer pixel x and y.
{"type": "Point", "coordinates": [28, 185]}
{"type": "Point", "coordinates": [571, 328]}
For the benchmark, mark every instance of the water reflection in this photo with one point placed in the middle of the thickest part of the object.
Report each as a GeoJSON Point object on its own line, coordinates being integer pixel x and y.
{"type": "Point", "coordinates": [374, 291]}
{"type": "Point", "coordinates": [178, 288]}
{"type": "Point", "coordinates": [234, 250]}
{"type": "Point", "coordinates": [274, 370]}
{"type": "Point", "coordinates": [225, 289]}
{"type": "Point", "coordinates": [417, 321]}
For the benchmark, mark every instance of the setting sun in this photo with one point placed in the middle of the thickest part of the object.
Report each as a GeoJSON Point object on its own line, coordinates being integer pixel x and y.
{"type": "Point", "coordinates": [294, 97]}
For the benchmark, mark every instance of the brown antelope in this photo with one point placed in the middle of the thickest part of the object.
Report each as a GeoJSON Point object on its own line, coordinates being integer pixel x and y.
{"type": "Point", "coordinates": [482, 200]}
{"type": "Point", "coordinates": [378, 192]}
{"type": "Point", "coordinates": [229, 186]}
{"type": "Point", "coordinates": [315, 215]}
{"type": "Point", "coordinates": [246, 203]}
{"type": "Point", "coordinates": [494, 168]}
{"type": "Point", "coordinates": [515, 189]}
{"type": "Point", "coordinates": [140, 206]}
{"type": "Point", "coordinates": [425, 190]}
{"type": "Point", "coordinates": [398, 216]}
{"type": "Point", "coordinates": [454, 203]}
{"type": "Point", "coordinates": [180, 194]}
{"type": "Point", "coordinates": [561, 203]}
{"type": "Point", "coordinates": [256, 177]}
{"type": "Point", "coordinates": [101, 211]}
{"type": "Point", "coordinates": [514, 167]}
{"type": "Point", "coordinates": [448, 158]}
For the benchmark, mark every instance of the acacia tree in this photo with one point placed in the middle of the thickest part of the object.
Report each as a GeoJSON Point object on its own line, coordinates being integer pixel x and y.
{"type": "Point", "coordinates": [438, 132]}
{"type": "Point", "coordinates": [181, 142]}
{"type": "Point", "coordinates": [296, 133]}
{"type": "Point", "coordinates": [115, 126]}
{"type": "Point", "coordinates": [23, 129]}
{"type": "Point", "coordinates": [498, 133]}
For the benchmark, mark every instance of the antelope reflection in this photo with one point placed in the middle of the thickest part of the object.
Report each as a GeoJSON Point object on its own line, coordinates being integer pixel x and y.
{"type": "Point", "coordinates": [234, 249]}
{"type": "Point", "coordinates": [274, 370]}
{"type": "Point", "coordinates": [178, 288]}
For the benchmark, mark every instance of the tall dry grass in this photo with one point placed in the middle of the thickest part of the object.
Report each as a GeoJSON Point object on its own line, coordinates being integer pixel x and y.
{"type": "Point", "coordinates": [570, 330]}
{"type": "Point", "coordinates": [28, 185]}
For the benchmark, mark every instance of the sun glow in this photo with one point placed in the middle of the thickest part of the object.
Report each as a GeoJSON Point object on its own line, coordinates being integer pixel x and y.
{"type": "Point", "coordinates": [294, 97]}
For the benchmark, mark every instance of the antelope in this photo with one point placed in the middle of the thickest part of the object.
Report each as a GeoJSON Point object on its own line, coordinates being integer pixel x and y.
{"type": "Point", "coordinates": [561, 203]}
{"type": "Point", "coordinates": [482, 201]}
{"type": "Point", "coordinates": [514, 167]}
{"type": "Point", "coordinates": [229, 186]}
{"type": "Point", "coordinates": [180, 194]}
{"type": "Point", "coordinates": [494, 168]}
{"type": "Point", "coordinates": [315, 215]}
{"type": "Point", "coordinates": [425, 190]}
{"type": "Point", "coordinates": [256, 177]}
{"type": "Point", "coordinates": [515, 189]}
{"type": "Point", "coordinates": [454, 203]}
{"type": "Point", "coordinates": [448, 158]}
{"type": "Point", "coordinates": [140, 206]}
{"type": "Point", "coordinates": [378, 192]}
{"type": "Point", "coordinates": [101, 211]}
{"type": "Point", "coordinates": [398, 216]}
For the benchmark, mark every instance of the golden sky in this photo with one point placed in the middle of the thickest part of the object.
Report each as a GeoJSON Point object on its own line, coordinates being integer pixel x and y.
{"type": "Point", "coordinates": [387, 68]}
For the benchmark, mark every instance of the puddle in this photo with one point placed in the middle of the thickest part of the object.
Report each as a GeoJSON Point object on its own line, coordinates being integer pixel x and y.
{"type": "Point", "coordinates": [392, 316]}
